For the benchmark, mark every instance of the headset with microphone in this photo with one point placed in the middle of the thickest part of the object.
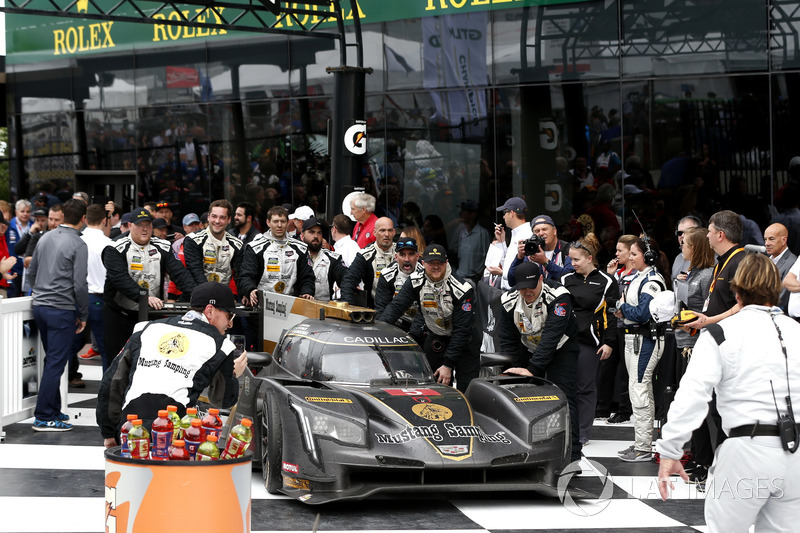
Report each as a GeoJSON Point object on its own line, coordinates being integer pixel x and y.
{"type": "Point", "coordinates": [650, 255]}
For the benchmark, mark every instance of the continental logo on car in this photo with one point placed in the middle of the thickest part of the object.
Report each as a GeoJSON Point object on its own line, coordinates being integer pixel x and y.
{"type": "Point", "coordinates": [523, 399]}
{"type": "Point", "coordinates": [323, 399]}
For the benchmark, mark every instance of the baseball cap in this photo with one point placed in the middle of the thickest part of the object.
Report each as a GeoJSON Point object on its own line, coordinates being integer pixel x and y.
{"type": "Point", "coordinates": [40, 212]}
{"type": "Point", "coordinates": [514, 204]}
{"type": "Point", "coordinates": [302, 213]}
{"type": "Point", "coordinates": [163, 205]}
{"type": "Point", "coordinates": [527, 275]}
{"type": "Point", "coordinates": [204, 218]}
{"type": "Point", "coordinates": [310, 223]}
{"type": "Point", "coordinates": [543, 219]}
{"type": "Point", "coordinates": [159, 223]}
{"type": "Point", "coordinates": [793, 162]}
{"type": "Point", "coordinates": [406, 243]}
{"type": "Point", "coordinates": [126, 218]}
{"type": "Point", "coordinates": [435, 252]}
{"type": "Point", "coordinates": [140, 214]}
{"type": "Point", "coordinates": [216, 294]}
{"type": "Point", "coordinates": [190, 219]}
{"type": "Point", "coordinates": [469, 205]}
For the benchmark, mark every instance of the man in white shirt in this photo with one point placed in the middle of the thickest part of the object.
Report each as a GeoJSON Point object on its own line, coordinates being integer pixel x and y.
{"type": "Point", "coordinates": [514, 217]}
{"type": "Point", "coordinates": [96, 240]}
{"type": "Point", "coordinates": [343, 244]}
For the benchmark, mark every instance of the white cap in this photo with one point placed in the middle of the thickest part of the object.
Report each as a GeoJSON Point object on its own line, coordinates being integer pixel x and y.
{"type": "Point", "coordinates": [302, 213]}
{"type": "Point", "coordinates": [793, 162]}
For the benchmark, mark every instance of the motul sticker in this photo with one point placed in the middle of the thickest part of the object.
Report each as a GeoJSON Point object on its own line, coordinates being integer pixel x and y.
{"type": "Point", "coordinates": [289, 467]}
{"type": "Point", "coordinates": [412, 392]}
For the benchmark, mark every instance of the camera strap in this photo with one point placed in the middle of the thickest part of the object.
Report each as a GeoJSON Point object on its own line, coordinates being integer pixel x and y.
{"type": "Point", "coordinates": [788, 422]}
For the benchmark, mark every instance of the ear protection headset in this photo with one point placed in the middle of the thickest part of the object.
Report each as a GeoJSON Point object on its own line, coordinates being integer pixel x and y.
{"type": "Point", "coordinates": [650, 255]}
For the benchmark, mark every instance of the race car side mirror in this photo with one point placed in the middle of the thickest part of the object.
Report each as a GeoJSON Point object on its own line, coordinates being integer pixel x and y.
{"type": "Point", "coordinates": [496, 359]}
{"type": "Point", "coordinates": [258, 359]}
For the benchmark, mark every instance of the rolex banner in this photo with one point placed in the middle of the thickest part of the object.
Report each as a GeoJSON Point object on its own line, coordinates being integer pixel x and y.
{"type": "Point", "coordinates": [454, 55]}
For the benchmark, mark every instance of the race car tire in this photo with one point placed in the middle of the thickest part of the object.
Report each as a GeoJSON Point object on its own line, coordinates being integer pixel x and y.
{"type": "Point", "coordinates": [271, 444]}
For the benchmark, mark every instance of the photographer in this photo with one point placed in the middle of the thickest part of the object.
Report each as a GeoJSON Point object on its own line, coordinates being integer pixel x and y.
{"type": "Point", "coordinates": [544, 248]}
{"type": "Point", "coordinates": [755, 477]}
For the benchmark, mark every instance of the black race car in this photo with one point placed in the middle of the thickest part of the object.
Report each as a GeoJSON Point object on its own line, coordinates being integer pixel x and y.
{"type": "Point", "coordinates": [345, 411]}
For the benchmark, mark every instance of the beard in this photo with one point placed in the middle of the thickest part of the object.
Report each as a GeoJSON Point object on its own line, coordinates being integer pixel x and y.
{"type": "Point", "coordinates": [315, 246]}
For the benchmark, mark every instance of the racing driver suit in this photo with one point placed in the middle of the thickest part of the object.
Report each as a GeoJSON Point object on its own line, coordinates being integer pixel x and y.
{"type": "Point", "coordinates": [277, 265]}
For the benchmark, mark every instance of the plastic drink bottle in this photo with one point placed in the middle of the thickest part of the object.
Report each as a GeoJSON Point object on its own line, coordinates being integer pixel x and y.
{"type": "Point", "coordinates": [186, 421]}
{"type": "Point", "coordinates": [161, 436]}
{"type": "Point", "coordinates": [194, 437]}
{"type": "Point", "coordinates": [212, 423]}
{"type": "Point", "coordinates": [176, 421]}
{"type": "Point", "coordinates": [178, 451]}
{"type": "Point", "coordinates": [208, 451]}
{"type": "Point", "coordinates": [123, 435]}
{"type": "Point", "coordinates": [139, 441]}
{"type": "Point", "coordinates": [238, 440]}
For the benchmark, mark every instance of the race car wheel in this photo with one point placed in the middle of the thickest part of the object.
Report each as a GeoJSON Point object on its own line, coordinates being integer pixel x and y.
{"type": "Point", "coordinates": [271, 444]}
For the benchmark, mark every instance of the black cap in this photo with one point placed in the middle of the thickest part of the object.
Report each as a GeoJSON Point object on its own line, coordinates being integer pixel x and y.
{"type": "Point", "coordinates": [469, 205]}
{"type": "Point", "coordinates": [543, 219]}
{"type": "Point", "coordinates": [2, 218]}
{"type": "Point", "coordinates": [140, 214]}
{"type": "Point", "coordinates": [310, 223]}
{"type": "Point", "coordinates": [164, 205]}
{"type": "Point", "coordinates": [515, 204]}
{"type": "Point", "coordinates": [216, 294]}
{"type": "Point", "coordinates": [159, 223]}
{"type": "Point", "coordinates": [126, 218]}
{"type": "Point", "coordinates": [435, 252]}
{"type": "Point", "coordinates": [406, 243]}
{"type": "Point", "coordinates": [527, 275]}
{"type": "Point", "coordinates": [40, 212]}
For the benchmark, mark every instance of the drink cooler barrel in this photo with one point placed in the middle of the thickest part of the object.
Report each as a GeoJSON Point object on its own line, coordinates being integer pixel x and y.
{"type": "Point", "coordinates": [146, 495]}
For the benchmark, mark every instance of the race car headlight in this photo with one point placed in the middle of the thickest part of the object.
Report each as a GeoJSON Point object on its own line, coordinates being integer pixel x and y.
{"type": "Point", "coordinates": [322, 424]}
{"type": "Point", "coordinates": [545, 428]}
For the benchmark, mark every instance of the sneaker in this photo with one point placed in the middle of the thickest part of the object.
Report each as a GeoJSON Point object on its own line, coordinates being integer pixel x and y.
{"type": "Point", "coordinates": [50, 425]}
{"type": "Point", "coordinates": [626, 450]}
{"type": "Point", "coordinates": [698, 475]}
{"type": "Point", "coordinates": [62, 416]}
{"type": "Point", "coordinates": [636, 456]}
{"type": "Point", "coordinates": [77, 383]}
{"type": "Point", "coordinates": [584, 442]}
{"type": "Point", "coordinates": [91, 354]}
{"type": "Point", "coordinates": [601, 415]}
{"type": "Point", "coordinates": [618, 418]}
{"type": "Point", "coordinates": [689, 467]}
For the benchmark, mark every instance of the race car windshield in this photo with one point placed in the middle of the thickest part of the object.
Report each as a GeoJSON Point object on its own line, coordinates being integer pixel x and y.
{"type": "Point", "coordinates": [365, 365]}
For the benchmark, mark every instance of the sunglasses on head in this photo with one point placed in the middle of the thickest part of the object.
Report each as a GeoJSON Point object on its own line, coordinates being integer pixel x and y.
{"type": "Point", "coordinates": [406, 244]}
{"type": "Point", "coordinates": [579, 244]}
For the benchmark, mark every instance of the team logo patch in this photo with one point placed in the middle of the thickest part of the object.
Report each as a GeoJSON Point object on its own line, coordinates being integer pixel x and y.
{"type": "Point", "coordinates": [432, 411]}
{"type": "Point", "coordinates": [153, 252]}
{"type": "Point", "coordinates": [173, 345]}
{"type": "Point", "coordinates": [467, 307]}
{"type": "Point", "coordinates": [289, 253]}
{"type": "Point", "coordinates": [560, 310]}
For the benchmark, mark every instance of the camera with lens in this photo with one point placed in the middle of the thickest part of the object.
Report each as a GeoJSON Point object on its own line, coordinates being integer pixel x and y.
{"type": "Point", "coordinates": [534, 244]}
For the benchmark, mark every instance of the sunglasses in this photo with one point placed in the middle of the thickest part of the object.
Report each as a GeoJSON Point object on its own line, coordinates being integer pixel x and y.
{"type": "Point", "coordinates": [579, 244]}
{"type": "Point", "coordinates": [679, 233]}
{"type": "Point", "coordinates": [162, 204]}
{"type": "Point", "coordinates": [406, 244]}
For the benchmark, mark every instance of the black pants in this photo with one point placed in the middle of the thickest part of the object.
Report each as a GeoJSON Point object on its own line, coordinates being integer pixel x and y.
{"type": "Point", "coordinates": [117, 329]}
{"type": "Point", "coordinates": [612, 375]}
{"type": "Point", "coordinates": [563, 371]}
{"type": "Point", "coordinates": [467, 366]}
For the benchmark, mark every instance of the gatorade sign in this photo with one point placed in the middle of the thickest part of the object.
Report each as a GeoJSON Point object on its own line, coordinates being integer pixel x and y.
{"type": "Point", "coordinates": [355, 137]}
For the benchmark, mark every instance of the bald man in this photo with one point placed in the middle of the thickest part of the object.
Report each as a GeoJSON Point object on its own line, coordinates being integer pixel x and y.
{"type": "Point", "coordinates": [776, 237]}
{"type": "Point", "coordinates": [368, 264]}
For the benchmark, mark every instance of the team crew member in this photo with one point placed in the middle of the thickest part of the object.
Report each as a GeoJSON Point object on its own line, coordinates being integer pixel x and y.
{"type": "Point", "coordinates": [273, 262]}
{"type": "Point", "coordinates": [538, 328]}
{"type": "Point", "coordinates": [756, 480]}
{"type": "Point", "coordinates": [644, 345]}
{"type": "Point", "coordinates": [406, 262]}
{"type": "Point", "coordinates": [368, 265]}
{"type": "Point", "coordinates": [243, 226]}
{"type": "Point", "coordinates": [342, 243]}
{"type": "Point", "coordinates": [445, 302]}
{"type": "Point", "coordinates": [554, 257]}
{"type": "Point", "coordinates": [213, 254]}
{"type": "Point", "coordinates": [171, 361]}
{"type": "Point", "coordinates": [590, 289]}
{"type": "Point", "coordinates": [328, 267]}
{"type": "Point", "coordinates": [137, 261]}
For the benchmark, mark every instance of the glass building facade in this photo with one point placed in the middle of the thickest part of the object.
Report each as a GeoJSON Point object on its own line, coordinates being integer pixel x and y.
{"type": "Point", "coordinates": [659, 107]}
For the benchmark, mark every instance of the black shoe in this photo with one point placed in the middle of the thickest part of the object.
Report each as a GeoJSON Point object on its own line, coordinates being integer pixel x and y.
{"type": "Point", "coordinates": [601, 415]}
{"type": "Point", "coordinates": [77, 383]}
{"type": "Point", "coordinates": [699, 475]}
{"type": "Point", "coordinates": [618, 418]}
{"type": "Point", "coordinates": [689, 467]}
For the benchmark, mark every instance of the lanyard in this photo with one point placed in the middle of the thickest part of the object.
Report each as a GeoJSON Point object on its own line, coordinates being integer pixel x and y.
{"type": "Point", "coordinates": [717, 269]}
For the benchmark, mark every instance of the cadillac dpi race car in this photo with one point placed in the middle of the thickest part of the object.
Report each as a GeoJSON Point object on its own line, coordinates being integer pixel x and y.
{"type": "Point", "coordinates": [345, 411]}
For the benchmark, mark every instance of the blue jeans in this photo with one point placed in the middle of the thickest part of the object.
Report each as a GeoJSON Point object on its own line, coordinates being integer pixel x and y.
{"type": "Point", "coordinates": [57, 331]}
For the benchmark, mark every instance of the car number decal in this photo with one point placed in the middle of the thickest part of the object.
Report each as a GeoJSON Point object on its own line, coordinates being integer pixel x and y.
{"type": "Point", "coordinates": [412, 392]}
